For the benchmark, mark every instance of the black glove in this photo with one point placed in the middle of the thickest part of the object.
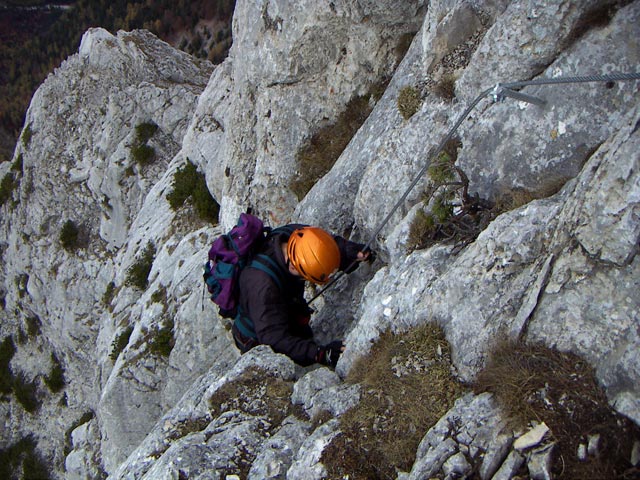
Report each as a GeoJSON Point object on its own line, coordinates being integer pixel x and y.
{"type": "Point", "coordinates": [372, 255]}
{"type": "Point", "coordinates": [329, 354]}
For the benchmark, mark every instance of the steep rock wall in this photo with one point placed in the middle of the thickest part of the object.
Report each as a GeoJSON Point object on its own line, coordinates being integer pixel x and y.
{"type": "Point", "coordinates": [562, 270]}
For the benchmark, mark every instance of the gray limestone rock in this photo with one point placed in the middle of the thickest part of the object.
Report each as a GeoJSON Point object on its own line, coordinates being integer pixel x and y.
{"type": "Point", "coordinates": [456, 466]}
{"type": "Point", "coordinates": [278, 452]}
{"type": "Point", "coordinates": [527, 148]}
{"type": "Point", "coordinates": [509, 467]}
{"type": "Point", "coordinates": [539, 462]}
{"type": "Point", "coordinates": [78, 167]}
{"type": "Point", "coordinates": [306, 465]}
{"type": "Point", "coordinates": [292, 69]}
{"type": "Point", "coordinates": [472, 426]}
{"type": "Point", "coordinates": [561, 270]}
{"type": "Point", "coordinates": [321, 390]}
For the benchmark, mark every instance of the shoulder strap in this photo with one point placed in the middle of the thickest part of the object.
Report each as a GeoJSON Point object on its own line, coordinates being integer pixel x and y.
{"type": "Point", "coordinates": [284, 230]}
{"type": "Point", "coordinates": [270, 267]}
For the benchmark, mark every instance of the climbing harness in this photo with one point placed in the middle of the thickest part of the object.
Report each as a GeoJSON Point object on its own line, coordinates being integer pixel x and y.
{"type": "Point", "coordinates": [499, 93]}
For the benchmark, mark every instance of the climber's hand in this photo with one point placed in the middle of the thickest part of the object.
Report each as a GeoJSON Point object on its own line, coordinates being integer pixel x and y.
{"type": "Point", "coordinates": [367, 255]}
{"type": "Point", "coordinates": [329, 354]}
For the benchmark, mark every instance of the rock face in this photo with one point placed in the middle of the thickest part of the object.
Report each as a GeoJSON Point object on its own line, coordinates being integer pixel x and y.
{"type": "Point", "coordinates": [293, 67]}
{"type": "Point", "coordinates": [561, 270]}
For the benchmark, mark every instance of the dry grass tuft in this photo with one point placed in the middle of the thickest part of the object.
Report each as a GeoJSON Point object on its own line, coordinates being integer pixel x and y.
{"type": "Point", "coordinates": [508, 200]}
{"type": "Point", "coordinates": [407, 386]}
{"type": "Point", "coordinates": [445, 88]}
{"type": "Point", "coordinates": [533, 382]}
{"type": "Point", "coordinates": [422, 228]}
{"type": "Point", "coordinates": [319, 155]}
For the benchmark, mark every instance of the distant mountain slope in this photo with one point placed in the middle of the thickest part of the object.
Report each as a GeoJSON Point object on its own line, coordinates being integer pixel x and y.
{"type": "Point", "coordinates": [36, 38]}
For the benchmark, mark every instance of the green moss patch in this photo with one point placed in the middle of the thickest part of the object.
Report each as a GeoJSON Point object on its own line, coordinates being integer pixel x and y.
{"type": "Point", "coordinates": [109, 294]}
{"type": "Point", "coordinates": [162, 341]}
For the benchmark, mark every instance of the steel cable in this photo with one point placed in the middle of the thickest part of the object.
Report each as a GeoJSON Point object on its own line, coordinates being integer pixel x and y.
{"type": "Point", "coordinates": [495, 91]}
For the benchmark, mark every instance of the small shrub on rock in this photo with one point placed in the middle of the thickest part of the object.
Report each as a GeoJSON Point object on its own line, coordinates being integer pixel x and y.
{"type": "Point", "coordinates": [422, 227]}
{"type": "Point", "coordinates": [22, 460]}
{"type": "Point", "coordinates": [163, 341]}
{"type": "Point", "coordinates": [142, 153]}
{"type": "Point", "coordinates": [7, 185]}
{"type": "Point", "coordinates": [55, 380]}
{"type": "Point", "coordinates": [26, 136]}
{"type": "Point", "coordinates": [120, 343]}
{"type": "Point", "coordinates": [17, 166]}
{"type": "Point", "coordinates": [26, 392]}
{"type": "Point", "coordinates": [70, 236]}
{"type": "Point", "coordinates": [451, 214]}
{"type": "Point", "coordinates": [33, 326]}
{"type": "Point", "coordinates": [109, 293]}
{"type": "Point", "coordinates": [145, 131]}
{"type": "Point", "coordinates": [190, 185]}
{"type": "Point", "coordinates": [138, 273]}
{"type": "Point", "coordinates": [7, 351]}
{"type": "Point", "coordinates": [160, 296]}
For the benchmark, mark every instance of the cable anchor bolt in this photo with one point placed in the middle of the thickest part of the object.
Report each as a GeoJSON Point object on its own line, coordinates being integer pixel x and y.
{"type": "Point", "coordinates": [500, 92]}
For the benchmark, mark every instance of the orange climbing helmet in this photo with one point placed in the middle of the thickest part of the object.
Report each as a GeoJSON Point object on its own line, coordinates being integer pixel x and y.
{"type": "Point", "coordinates": [314, 253]}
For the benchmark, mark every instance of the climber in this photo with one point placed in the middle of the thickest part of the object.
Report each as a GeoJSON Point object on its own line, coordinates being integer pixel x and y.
{"type": "Point", "coordinates": [272, 307]}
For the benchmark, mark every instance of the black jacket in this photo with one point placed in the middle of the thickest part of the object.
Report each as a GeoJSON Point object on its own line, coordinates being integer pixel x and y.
{"type": "Point", "coordinates": [278, 314]}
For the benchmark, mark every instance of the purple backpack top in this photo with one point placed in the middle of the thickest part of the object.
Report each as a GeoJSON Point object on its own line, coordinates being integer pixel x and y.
{"type": "Point", "coordinates": [228, 255]}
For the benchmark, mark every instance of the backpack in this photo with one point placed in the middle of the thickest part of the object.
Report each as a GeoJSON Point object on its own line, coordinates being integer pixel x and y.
{"type": "Point", "coordinates": [228, 255]}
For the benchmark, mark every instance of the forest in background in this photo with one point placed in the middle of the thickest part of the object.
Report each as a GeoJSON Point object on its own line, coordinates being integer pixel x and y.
{"type": "Point", "coordinates": [36, 36]}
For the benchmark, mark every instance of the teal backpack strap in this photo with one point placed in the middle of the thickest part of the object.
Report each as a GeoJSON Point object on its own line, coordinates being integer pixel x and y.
{"type": "Point", "coordinates": [270, 267]}
{"type": "Point", "coordinates": [267, 265]}
{"type": "Point", "coordinates": [286, 229]}
{"type": "Point", "coordinates": [244, 324]}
